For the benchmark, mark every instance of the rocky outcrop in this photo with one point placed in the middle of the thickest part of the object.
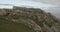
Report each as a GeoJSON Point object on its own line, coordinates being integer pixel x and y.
{"type": "Point", "coordinates": [34, 18]}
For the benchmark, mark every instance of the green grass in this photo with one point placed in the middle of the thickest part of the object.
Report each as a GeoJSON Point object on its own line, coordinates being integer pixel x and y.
{"type": "Point", "coordinates": [6, 25]}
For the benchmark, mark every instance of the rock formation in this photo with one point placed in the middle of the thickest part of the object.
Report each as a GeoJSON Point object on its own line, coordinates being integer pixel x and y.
{"type": "Point", "coordinates": [35, 19]}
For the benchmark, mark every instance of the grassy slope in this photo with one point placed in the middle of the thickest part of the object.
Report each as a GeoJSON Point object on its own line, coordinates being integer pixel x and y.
{"type": "Point", "coordinates": [6, 25]}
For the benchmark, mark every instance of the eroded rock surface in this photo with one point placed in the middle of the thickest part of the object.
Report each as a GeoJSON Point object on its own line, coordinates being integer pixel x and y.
{"type": "Point", "coordinates": [36, 19]}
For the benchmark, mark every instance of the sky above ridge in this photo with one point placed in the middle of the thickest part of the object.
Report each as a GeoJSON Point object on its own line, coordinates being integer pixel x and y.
{"type": "Point", "coordinates": [28, 3]}
{"type": "Point", "coordinates": [52, 6]}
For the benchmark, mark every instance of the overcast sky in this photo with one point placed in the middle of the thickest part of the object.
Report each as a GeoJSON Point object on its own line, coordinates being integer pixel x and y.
{"type": "Point", "coordinates": [31, 3]}
{"type": "Point", "coordinates": [57, 2]}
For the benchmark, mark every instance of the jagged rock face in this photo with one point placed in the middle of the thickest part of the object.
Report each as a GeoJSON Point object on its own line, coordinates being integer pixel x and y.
{"type": "Point", "coordinates": [36, 19]}
{"type": "Point", "coordinates": [5, 11]}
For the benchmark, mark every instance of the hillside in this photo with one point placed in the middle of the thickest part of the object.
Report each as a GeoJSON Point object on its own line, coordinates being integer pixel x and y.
{"type": "Point", "coordinates": [22, 19]}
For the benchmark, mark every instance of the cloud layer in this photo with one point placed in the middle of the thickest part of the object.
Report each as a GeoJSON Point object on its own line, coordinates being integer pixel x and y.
{"type": "Point", "coordinates": [27, 3]}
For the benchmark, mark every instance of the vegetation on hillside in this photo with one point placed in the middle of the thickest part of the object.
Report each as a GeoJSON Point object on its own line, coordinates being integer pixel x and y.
{"type": "Point", "coordinates": [7, 25]}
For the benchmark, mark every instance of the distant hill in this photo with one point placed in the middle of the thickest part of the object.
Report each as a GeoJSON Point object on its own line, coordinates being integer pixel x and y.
{"type": "Point", "coordinates": [7, 6]}
{"type": "Point", "coordinates": [22, 19]}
